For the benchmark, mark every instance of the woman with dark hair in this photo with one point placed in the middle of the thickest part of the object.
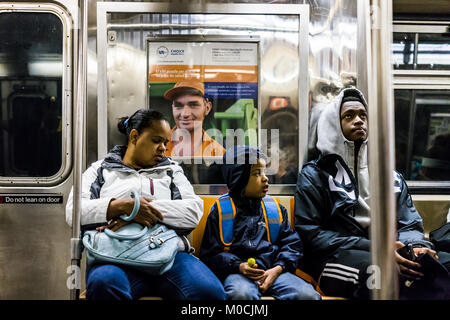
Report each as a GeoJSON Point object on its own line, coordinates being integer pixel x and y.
{"type": "Point", "coordinates": [167, 197]}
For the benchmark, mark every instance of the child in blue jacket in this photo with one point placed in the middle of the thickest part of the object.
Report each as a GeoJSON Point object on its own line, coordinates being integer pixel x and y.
{"type": "Point", "coordinates": [231, 245]}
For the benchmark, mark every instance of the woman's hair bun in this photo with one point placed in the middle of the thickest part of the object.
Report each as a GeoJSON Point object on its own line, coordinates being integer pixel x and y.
{"type": "Point", "coordinates": [140, 120]}
{"type": "Point", "coordinates": [121, 125]}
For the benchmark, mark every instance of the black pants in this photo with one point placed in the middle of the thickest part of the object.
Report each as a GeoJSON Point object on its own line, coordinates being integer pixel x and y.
{"type": "Point", "coordinates": [349, 276]}
{"type": "Point", "coordinates": [346, 275]}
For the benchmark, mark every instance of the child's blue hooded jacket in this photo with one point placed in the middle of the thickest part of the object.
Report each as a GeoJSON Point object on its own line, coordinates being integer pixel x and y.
{"type": "Point", "coordinates": [249, 231]}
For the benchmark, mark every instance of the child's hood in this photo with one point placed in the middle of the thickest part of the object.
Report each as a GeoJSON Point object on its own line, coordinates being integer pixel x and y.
{"type": "Point", "coordinates": [237, 164]}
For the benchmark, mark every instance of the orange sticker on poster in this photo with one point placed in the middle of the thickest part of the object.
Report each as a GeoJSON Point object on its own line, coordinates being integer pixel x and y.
{"type": "Point", "coordinates": [204, 73]}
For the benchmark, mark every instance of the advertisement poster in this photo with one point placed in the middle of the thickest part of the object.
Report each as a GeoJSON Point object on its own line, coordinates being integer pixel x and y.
{"type": "Point", "coordinates": [209, 92]}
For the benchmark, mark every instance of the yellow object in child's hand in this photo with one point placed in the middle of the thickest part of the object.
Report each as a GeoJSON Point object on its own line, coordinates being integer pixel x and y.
{"type": "Point", "coordinates": [251, 262]}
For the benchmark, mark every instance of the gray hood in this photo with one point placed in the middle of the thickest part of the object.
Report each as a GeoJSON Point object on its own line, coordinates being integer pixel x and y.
{"type": "Point", "coordinates": [331, 140]}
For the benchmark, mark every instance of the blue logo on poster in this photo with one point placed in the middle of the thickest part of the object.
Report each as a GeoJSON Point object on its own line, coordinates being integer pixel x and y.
{"type": "Point", "coordinates": [162, 52]}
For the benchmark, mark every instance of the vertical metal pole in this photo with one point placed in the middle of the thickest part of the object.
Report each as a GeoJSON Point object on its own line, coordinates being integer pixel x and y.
{"type": "Point", "coordinates": [79, 128]}
{"type": "Point", "coordinates": [416, 49]}
{"type": "Point", "coordinates": [364, 57]}
{"type": "Point", "coordinates": [381, 152]}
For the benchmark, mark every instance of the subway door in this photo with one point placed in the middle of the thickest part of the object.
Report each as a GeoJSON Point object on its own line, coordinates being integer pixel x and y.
{"type": "Point", "coordinates": [35, 148]}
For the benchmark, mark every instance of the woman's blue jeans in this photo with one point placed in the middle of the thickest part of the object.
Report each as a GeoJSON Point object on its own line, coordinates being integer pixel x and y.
{"type": "Point", "coordinates": [188, 279]}
{"type": "Point", "coordinates": [286, 287]}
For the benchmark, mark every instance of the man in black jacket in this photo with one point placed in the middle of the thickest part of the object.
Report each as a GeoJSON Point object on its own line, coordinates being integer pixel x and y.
{"type": "Point", "coordinates": [332, 215]}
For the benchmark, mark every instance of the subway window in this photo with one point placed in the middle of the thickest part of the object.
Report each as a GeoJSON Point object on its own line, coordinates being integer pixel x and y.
{"type": "Point", "coordinates": [422, 139]}
{"type": "Point", "coordinates": [433, 51]}
{"type": "Point", "coordinates": [403, 50]}
{"type": "Point", "coordinates": [421, 50]}
{"type": "Point", "coordinates": [31, 75]}
{"type": "Point", "coordinates": [421, 62]}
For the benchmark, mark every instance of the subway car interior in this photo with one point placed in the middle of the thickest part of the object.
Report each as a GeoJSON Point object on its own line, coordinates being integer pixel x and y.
{"type": "Point", "coordinates": [70, 69]}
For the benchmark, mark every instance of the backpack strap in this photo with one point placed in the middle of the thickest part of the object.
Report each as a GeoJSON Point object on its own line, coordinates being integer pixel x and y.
{"type": "Point", "coordinates": [272, 217]}
{"type": "Point", "coordinates": [227, 211]}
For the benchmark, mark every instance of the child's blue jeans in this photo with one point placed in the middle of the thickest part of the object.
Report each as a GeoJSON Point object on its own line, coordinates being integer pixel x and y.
{"type": "Point", "coordinates": [286, 287]}
{"type": "Point", "coordinates": [188, 279]}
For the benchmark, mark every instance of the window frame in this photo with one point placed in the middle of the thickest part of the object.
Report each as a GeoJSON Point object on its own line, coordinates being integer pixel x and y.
{"type": "Point", "coordinates": [66, 94]}
{"type": "Point", "coordinates": [422, 80]}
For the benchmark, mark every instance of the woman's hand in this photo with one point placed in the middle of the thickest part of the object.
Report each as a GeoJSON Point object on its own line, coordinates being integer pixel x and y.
{"type": "Point", "coordinates": [406, 267]}
{"type": "Point", "coordinates": [253, 273]}
{"type": "Point", "coordinates": [114, 225]}
{"type": "Point", "coordinates": [146, 216]}
{"type": "Point", "coordinates": [269, 278]}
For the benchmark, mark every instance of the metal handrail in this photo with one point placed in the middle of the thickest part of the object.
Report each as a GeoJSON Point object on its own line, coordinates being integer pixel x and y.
{"type": "Point", "coordinates": [381, 152]}
{"type": "Point", "coordinates": [79, 129]}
